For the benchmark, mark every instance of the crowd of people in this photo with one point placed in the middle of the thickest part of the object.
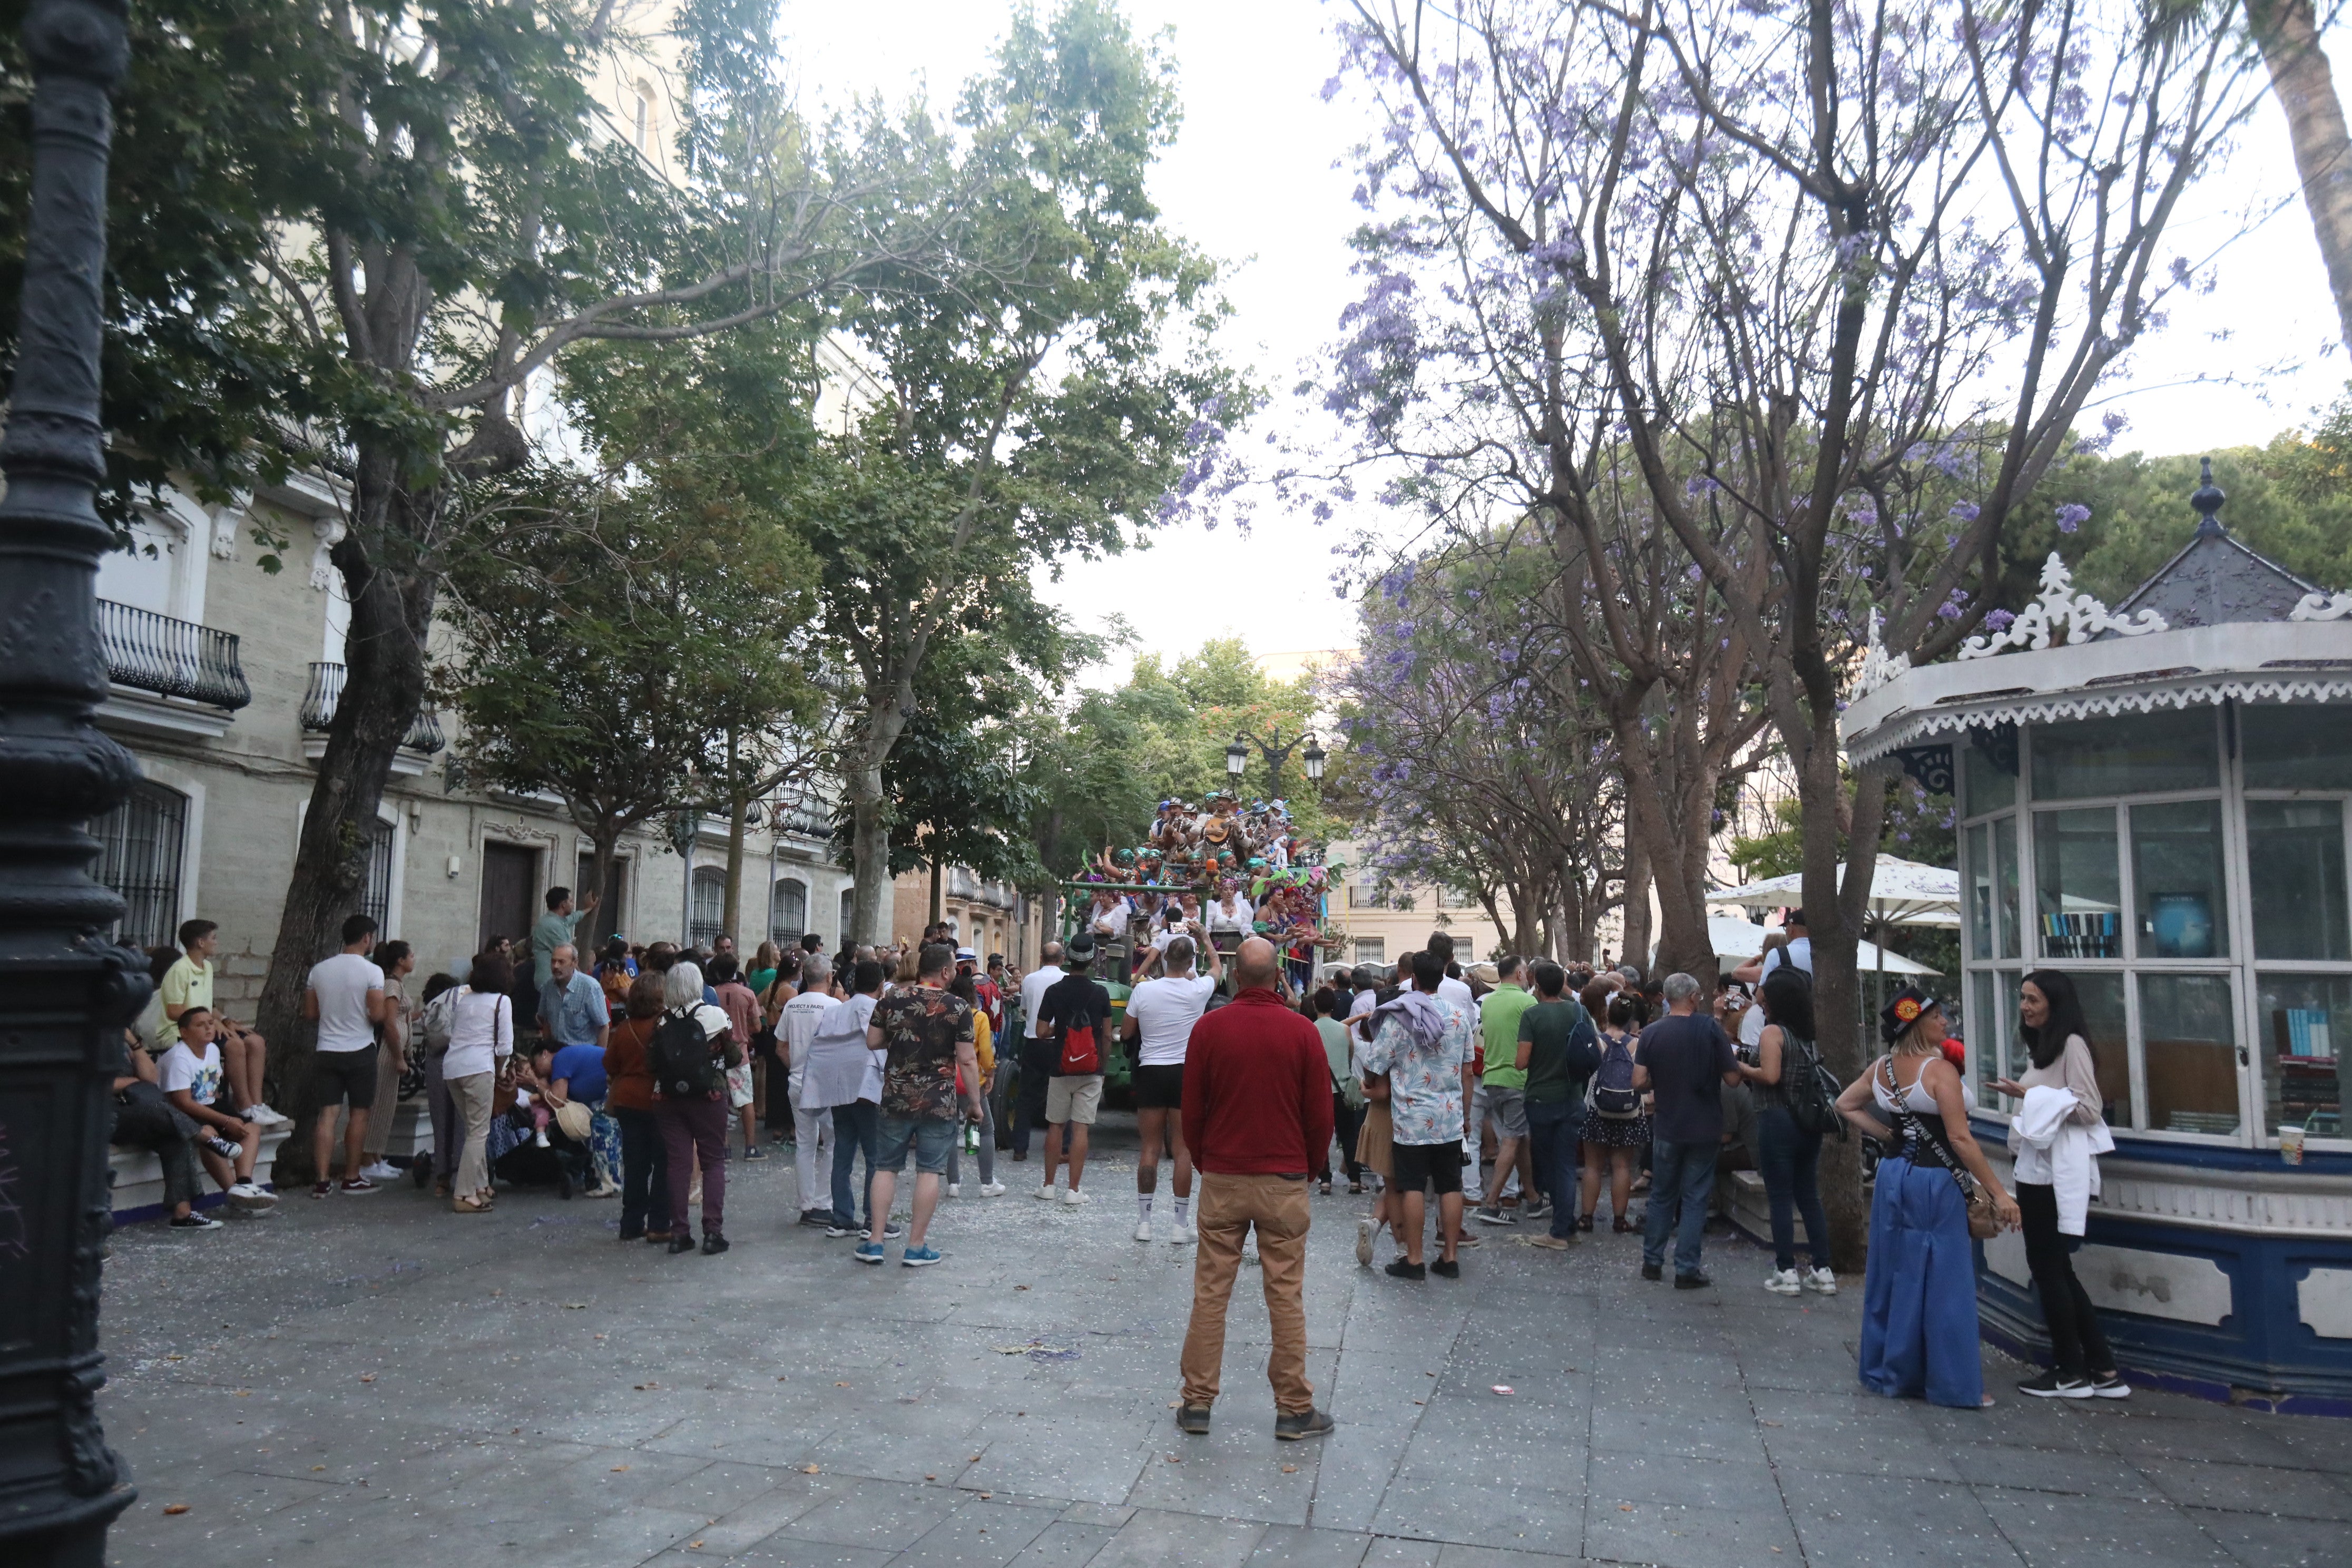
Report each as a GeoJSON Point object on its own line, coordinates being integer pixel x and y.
{"type": "Point", "coordinates": [1453, 1099]}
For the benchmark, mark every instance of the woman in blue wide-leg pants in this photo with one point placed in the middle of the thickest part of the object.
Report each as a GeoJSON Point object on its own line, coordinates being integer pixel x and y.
{"type": "Point", "coordinates": [1919, 1294]}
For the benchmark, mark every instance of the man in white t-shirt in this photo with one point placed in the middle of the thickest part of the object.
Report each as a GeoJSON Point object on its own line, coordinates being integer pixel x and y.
{"type": "Point", "coordinates": [812, 1129]}
{"type": "Point", "coordinates": [1800, 951]}
{"type": "Point", "coordinates": [1159, 1018]}
{"type": "Point", "coordinates": [345, 995]}
{"type": "Point", "coordinates": [1033, 1056]}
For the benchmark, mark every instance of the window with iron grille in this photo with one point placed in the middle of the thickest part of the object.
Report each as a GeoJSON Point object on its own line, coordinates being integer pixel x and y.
{"type": "Point", "coordinates": [709, 906]}
{"type": "Point", "coordinates": [143, 842]}
{"type": "Point", "coordinates": [375, 889]}
{"type": "Point", "coordinates": [1371, 950]}
{"type": "Point", "coordinates": [787, 911]}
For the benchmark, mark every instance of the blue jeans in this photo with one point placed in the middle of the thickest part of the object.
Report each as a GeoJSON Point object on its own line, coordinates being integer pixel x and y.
{"type": "Point", "coordinates": [1552, 1129]}
{"type": "Point", "coordinates": [857, 1126]}
{"type": "Point", "coordinates": [1681, 1176]}
{"type": "Point", "coordinates": [931, 1139]}
{"type": "Point", "coordinates": [1788, 1160]}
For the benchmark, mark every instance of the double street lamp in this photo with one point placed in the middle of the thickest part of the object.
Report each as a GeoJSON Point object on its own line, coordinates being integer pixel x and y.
{"type": "Point", "coordinates": [66, 989]}
{"type": "Point", "coordinates": [1276, 752]}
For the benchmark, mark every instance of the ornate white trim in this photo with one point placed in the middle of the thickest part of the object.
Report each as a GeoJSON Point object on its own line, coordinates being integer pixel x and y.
{"type": "Point", "coordinates": [2283, 688]}
{"type": "Point", "coordinates": [2321, 607]}
{"type": "Point", "coordinates": [1878, 666]}
{"type": "Point", "coordinates": [329, 532]}
{"type": "Point", "coordinates": [2082, 615]}
{"type": "Point", "coordinates": [2285, 1202]}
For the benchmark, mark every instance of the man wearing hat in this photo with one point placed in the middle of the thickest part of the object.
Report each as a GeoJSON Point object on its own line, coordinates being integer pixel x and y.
{"type": "Point", "coordinates": [1074, 1017]}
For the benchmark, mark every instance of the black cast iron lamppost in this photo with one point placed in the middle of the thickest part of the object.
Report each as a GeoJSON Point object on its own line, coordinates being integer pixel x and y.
{"type": "Point", "coordinates": [66, 989]}
{"type": "Point", "coordinates": [1276, 752]}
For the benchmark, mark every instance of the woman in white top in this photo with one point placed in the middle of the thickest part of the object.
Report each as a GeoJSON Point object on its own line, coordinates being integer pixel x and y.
{"type": "Point", "coordinates": [1919, 1291]}
{"type": "Point", "coordinates": [481, 1039]}
{"type": "Point", "coordinates": [2050, 1019]}
{"type": "Point", "coordinates": [1231, 912]}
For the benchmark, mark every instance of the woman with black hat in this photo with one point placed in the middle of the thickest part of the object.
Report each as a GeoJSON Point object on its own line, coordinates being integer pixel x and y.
{"type": "Point", "coordinates": [1919, 1292]}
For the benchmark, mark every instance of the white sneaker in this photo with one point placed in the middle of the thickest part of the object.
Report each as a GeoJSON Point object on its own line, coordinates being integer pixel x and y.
{"type": "Point", "coordinates": [1044, 1195]}
{"type": "Point", "coordinates": [266, 1117]}
{"type": "Point", "coordinates": [1781, 1282]}
{"type": "Point", "coordinates": [955, 1189]}
{"type": "Point", "coordinates": [992, 1189]}
{"type": "Point", "coordinates": [382, 1170]}
{"type": "Point", "coordinates": [246, 1196]}
{"type": "Point", "coordinates": [538, 1139]}
{"type": "Point", "coordinates": [1185, 1232]}
{"type": "Point", "coordinates": [1143, 1230]}
{"type": "Point", "coordinates": [1073, 1198]}
{"type": "Point", "coordinates": [1823, 1280]}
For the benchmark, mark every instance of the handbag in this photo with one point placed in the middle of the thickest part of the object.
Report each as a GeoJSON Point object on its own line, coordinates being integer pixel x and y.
{"type": "Point", "coordinates": [1984, 1220]}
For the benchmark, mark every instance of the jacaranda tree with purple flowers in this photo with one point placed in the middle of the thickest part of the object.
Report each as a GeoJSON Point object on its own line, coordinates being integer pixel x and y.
{"type": "Point", "coordinates": [1834, 281]}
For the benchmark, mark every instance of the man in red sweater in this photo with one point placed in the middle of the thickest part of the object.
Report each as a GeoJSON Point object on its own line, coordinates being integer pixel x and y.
{"type": "Point", "coordinates": [1257, 1112]}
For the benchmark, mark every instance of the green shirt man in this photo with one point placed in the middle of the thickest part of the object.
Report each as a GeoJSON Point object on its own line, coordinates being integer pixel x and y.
{"type": "Point", "coordinates": [1498, 1024]}
{"type": "Point", "coordinates": [556, 929]}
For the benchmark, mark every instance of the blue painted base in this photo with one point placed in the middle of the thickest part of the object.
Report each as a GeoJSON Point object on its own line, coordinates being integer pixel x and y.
{"type": "Point", "coordinates": [147, 1211]}
{"type": "Point", "coordinates": [2261, 1353]}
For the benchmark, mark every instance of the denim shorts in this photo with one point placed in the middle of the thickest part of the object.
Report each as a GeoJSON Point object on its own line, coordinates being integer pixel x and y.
{"type": "Point", "coordinates": [932, 1139]}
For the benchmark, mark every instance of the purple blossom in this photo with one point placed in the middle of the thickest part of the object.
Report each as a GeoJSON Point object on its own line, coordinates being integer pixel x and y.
{"type": "Point", "coordinates": [2071, 515]}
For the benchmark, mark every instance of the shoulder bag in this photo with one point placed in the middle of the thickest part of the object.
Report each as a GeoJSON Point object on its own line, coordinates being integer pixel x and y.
{"type": "Point", "coordinates": [1984, 1221]}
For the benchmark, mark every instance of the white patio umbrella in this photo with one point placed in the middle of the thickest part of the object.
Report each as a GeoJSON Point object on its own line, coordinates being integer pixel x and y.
{"type": "Point", "coordinates": [1735, 941]}
{"type": "Point", "coordinates": [1902, 892]}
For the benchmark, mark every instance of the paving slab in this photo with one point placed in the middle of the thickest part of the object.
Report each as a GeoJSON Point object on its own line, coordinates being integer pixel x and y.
{"type": "Point", "coordinates": [520, 1388]}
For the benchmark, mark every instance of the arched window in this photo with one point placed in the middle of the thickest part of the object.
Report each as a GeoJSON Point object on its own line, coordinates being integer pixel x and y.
{"type": "Point", "coordinates": [142, 845]}
{"type": "Point", "coordinates": [709, 906]}
{"type": "Point", "coordinates": [787, 910]}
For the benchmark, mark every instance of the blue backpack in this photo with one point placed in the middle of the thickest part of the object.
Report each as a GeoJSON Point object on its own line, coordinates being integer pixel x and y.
{"type": "Point", "coordinates": [1613, 1086]}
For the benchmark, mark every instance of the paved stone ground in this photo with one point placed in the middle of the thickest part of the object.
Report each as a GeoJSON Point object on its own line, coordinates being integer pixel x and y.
{"type": "Point", "coordinates": [374, 1381]}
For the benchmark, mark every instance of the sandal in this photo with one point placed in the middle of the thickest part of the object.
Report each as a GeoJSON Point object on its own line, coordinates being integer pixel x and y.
{"type": "Point", "coordinates": [1620, 1227]}
{"type": "Point", "coordinates": [1584, 1222]}
{"type": "Point", "coordinates": [469, 1205]}
{"type": "Point", "coordinates": [1355, 1189]}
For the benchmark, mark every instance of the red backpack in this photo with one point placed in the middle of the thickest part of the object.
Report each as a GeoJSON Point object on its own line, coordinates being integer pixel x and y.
{"type": "Point", "coordinates": [1079, 1053]}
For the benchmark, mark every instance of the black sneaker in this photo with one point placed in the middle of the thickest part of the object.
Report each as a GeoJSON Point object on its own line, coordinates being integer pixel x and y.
{"type": "Point", "coordinates": [713, 1243]}
{"type": "Point", "coordinates": [821, 1219]}
{"type": "Point", "coordinates": [2055, 1385]}
{"type": "Point", "coordinates": [1495, 1216]}
{"type": "Point", "coordinates": [1654, 1271]}
{"type": "Point", "coordinates": [1692, 1281]}
{"type": "Point", "coordinates": [194, 1221]}
{"type": "Point", "coordinates": [1193, 1420]}
{"type": "Point", "coordinates": [1445, 1271]}
{"type": "Point", "coordinates": [1537, 1210]}
{"type": "Point", "coordinates": [1306, 1424]}
{"type": "Point", "coordinates": [1398, 1269]}
{"type": "Point", "coordinates": [834, 1230]}
{"type": "Point", "coordinates": [2110, 1386]}
{"type": "Point", "coordinates": [682, 1242]}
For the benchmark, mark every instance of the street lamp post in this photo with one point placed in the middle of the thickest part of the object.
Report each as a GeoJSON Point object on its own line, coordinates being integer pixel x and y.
{"type": "Point", "coordinates": [66, 989]}
{"type": "Point", "coordinates": [1276, 752]}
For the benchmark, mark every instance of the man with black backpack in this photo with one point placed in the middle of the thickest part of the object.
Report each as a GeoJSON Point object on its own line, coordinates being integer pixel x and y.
{"type": "Point", "coordinates": [1075, 1015]}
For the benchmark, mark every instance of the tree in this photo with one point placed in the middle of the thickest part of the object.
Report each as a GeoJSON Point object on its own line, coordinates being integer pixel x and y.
{"type": "Point", "coordinates": [467, 220]}
{"type": "Point", "coordinates": [1840, 282]}
{"type": "Point", "coordinates": [2287, 32]}
{"type": "Point", "coordinates": [613, 648]}
{"type": "Point", "coordinates": [1023, 415]}
{"type": "Point", "coordinates": [1482, 765]}
{"type": "Point", "coordinates": [197, 384]}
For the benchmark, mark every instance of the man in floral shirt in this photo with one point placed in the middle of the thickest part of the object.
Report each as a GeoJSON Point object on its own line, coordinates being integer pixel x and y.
{"type": "Point", "coordinates": [927, 1033]}
{"type": "Point", "coordinates": [1423, 1047]}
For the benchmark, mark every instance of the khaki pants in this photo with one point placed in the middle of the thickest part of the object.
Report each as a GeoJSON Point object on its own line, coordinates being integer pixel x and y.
{"type": "Point", "coordinates": [1229, 1206]}
{"type": "Point", "coordinates": [471, 1095]}
{"type": "Point", "coordinates": [378, 1136]}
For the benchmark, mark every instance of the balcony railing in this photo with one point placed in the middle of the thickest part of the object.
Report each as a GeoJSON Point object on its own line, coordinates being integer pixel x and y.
{"type": "Point", "coordinates": [149, 652]}
{"type": "Point", "coordinates": [326, 691]}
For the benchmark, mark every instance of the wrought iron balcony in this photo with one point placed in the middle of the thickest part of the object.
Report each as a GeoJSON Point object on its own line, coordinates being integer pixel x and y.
{"type": "Point", "coordinates": [326, 691]}
{"type": "Point", "coordinates": [149, 652]}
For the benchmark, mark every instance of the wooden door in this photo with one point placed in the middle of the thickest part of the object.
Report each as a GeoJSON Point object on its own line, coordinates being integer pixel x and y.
{"type": "Point", "coordinates": [509, 895]}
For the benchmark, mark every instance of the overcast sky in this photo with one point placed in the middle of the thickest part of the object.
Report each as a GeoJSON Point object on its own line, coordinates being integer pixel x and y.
{"type": "Point", "coordinates": [1251, 180]}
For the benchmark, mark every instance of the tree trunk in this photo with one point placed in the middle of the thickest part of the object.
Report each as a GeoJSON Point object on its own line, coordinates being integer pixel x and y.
{"type": "Point", "coordinates": [939, 907]}
{"type": "Point", "coordinates": [734, 915]}
{"type": "Point", "coordinates": [1636, 951]}
{"type": "Point", "coordinates": [2289, 36]}
{"type": "Point", "coordinates": [384, 685]}
{"type": "Point", "coordinates": [1833, 918]}
{"type": "Point", "coordinates": [869, 855]}
{"type": "Point", "coordinates": [603, 840]}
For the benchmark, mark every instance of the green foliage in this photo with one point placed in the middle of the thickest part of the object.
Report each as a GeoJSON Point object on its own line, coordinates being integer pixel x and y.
{"type": "Point", "coordinates": [611, 643]}
{"type": "Point", "coordinates": [196, 371]}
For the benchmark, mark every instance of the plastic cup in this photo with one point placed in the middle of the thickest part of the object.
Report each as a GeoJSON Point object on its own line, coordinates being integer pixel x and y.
{"type": "Point", "coordinates": [2291, 1146]}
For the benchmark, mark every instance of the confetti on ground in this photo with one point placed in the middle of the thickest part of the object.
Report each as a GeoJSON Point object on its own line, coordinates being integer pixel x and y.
{"type": "Point", "coordinates": [809, 1469]}
{"type": "Point", "coordinates": [1502, 1388]}
{"type": "Point", "coordinates": [1290, 1469]}
{"type": "Point", "coordinates": [175, 1507]}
